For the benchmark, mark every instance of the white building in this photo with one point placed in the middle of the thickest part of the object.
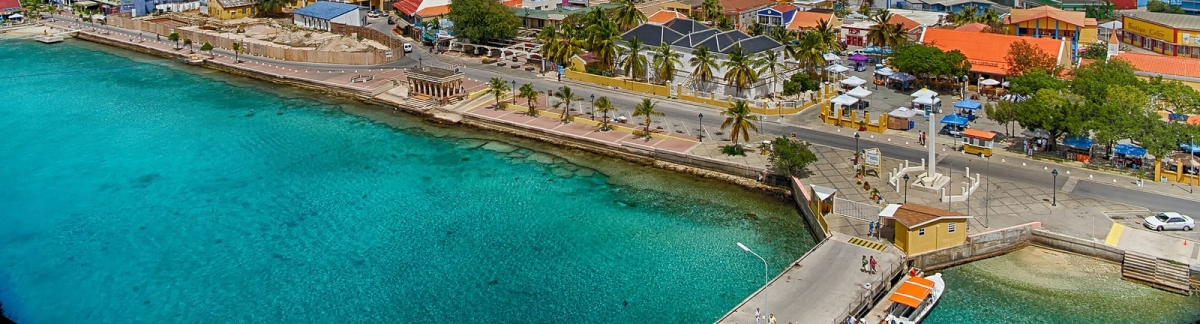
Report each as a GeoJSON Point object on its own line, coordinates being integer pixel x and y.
{"type": "Point", "coordinates": [321, 14]}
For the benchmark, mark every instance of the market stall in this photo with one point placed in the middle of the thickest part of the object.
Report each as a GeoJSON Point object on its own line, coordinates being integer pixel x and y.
{"type": "Point", "coordinates": [881, 76]}
{"type": "Point", "coordinates": [899, 119]}
{"type": "Point", "coordinates": [861, 94]}
{"type": "Point", "coordinates": [967, 107]}
{"type": "Point", "coordinates": [1128, 156]}
{"type": "Point", "coordinates": [928, 105]}
{"type": "Point", "coordinates": [953, 125]}
{"type": "Point", "coordinates": [978, 142]}
{"type": "Point", "coordinates": [1078, 148]}
{"type": "Point", "coordinates": [901, 80]}
{"type": "Point", "coordinates": [845, 101]}
{"type": "Point", "coordinates": [853, 81]}
{"type": "Point", "coordinates": [859, 61]}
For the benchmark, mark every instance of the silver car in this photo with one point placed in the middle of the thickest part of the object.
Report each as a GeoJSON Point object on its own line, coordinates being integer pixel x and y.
{"type": "Point", "coordinates": [1169, 221]}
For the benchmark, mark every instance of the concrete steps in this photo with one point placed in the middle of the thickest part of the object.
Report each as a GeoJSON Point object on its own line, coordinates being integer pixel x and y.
{"type": "Point", "coordinates": [1163, 274]}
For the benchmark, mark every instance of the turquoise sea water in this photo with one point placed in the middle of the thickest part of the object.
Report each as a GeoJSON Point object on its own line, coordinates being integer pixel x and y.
{"type": "Point", "coordinates": [1035, 285]}
{"type": "Point", "coordinates": [138, 190]}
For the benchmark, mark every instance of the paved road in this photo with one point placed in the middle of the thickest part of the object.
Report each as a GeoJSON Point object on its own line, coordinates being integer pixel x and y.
{"type": "Point", "coordinates": [1156, 203]}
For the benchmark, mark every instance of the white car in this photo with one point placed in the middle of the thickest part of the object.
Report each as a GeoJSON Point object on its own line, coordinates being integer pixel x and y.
{"type": "Point", "coordinates": [373, 14]}
{"type": "Point", "coordinates": [407, 48]}
{"type": "Point", "coordinates": [1169, 221]}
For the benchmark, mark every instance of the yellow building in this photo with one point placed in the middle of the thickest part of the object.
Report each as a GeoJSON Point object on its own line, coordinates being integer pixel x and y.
{"type": "Point", "coordinates": [1168, 34]}
{"type": "Point", "coordinates": [921, 229]}
{"type": "Point", "coordinates": [232, 9]}
{"type": "Point", "coordinates": [1051, 22]}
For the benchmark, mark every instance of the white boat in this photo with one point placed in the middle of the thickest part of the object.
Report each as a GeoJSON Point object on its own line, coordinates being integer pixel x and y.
{"type": "Point", "coordinates": [914, 299]}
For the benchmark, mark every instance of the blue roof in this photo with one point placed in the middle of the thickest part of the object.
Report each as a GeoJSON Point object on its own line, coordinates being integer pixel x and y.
{"type": "Point", "coordinates": [1082, 143]}
{"type": "Point", "coordinates": [968, 104]}
{"type": "Point", "coordinates": [954, 120]}
{"type": "Point", "coordinates": [326, 10]}
{"type": "Point", "coordinates": [1130, 150]}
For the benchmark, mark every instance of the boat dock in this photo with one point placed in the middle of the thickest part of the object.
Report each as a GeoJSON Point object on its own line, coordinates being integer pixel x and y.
{"type": "Point", "coordinates": [48, 39]}
{"type": "Point", "coordinates": [825, 285]}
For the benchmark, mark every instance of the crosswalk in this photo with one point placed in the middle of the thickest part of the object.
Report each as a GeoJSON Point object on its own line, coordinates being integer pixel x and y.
{"type": "Point", "coordinates": [867, 244]}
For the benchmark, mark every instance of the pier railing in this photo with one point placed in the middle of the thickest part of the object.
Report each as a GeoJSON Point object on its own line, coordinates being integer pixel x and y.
{"type": "Point", "coordinates": [879, 288]}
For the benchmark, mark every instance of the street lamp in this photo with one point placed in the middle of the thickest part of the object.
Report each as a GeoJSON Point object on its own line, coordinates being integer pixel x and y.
{"type": "Point", "coordinates": [514, 91]}
{"type": "Point", "coordinates": [1053, 191]}
{"type": "Point", "coordinates": [766, 276]}
{"type": "Point", "coordinates": [856, 136]}
{"type": "Point", "coordinates": [701, 137]}
{"type": "Point", "coordinates": [593, 106]}
{"type": "Point", "coordinates": [905, 188]}
{"type": "Point", "coordinates": [1195, 168]}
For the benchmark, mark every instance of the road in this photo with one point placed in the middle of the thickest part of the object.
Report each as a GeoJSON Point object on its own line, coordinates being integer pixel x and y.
{"type": "Point", "coordinates": [687, 114]}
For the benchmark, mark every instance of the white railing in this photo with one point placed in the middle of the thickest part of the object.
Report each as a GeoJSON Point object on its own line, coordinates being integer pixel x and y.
{"type": "Point", "coordinates": [854, 209]}
{"type": "Point", "coordinates": [897, 175]}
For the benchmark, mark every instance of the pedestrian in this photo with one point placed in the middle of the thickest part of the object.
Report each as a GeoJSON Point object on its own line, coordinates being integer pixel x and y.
{"type": "Point", "coordinates": [864, 264]}
{"type": "Point", "coordinates": [870, 229]}
{"type": "Point", "coordinates": [771, 319]}
{"type": "Point", "coordinates": [873, 262]}
{"type": "Point", "coordinates": [757, 316]}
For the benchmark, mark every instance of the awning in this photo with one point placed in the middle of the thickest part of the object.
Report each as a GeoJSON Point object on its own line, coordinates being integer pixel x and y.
{"type": "Point", "coordinates": [886, 71]}
{"type": "Point", "coordinates": [823, 192]}
{"type": "Point", "coordinates": [844, 100]}
{"type": "Point", "coordinates": [1036, 133]}
{"type": "Point", "coordinates": [924, 92]}
{"type": "Point", "coordinates": [859, 92]}
{"type": "Point", "coordinates": [890, 210]}
{"type": "Point", "coordinates": [1190, 148]}
{"type": "Point", "coordinates": [968, 104]}
{"type": "Point", "coordinates": [913, 291]}
{"type": "Point", "coordinates": [989, 82]}
{"type": "Point", "coordinates": [1129, 150]}
{"type": "Point", "coordinates": [1082, 143]}
{"type": "Point", "coordinates": [854, 81]}
{"type": "Point", "coordinates": [903, 112]}
{"type": "Point", "coordinates": [15, 16]}
{"type": "Point", "coordinates": [928, 101]}
{"type": "Point", "coordinates": [1194, 120]}
{"type": "Point", "coordinates": [837, 68]}
{"type": "Point", "coordinates": [858, 57]}
{"type": "Point", "coordinates": [902, 77]}
{"type": "Point", "coordinates": [954, 120]}
{"type": "Point", "coordinates": [979, 134]}
{"type": "Point", "coordinates": [831, 57]}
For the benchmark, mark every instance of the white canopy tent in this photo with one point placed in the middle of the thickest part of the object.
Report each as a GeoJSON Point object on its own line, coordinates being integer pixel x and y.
{"type": "Point", "coordinates": [837, 68]}
{"type": "Point", "coordinates": [831, 57]}
{"type": "Point", "coordinates": [989, 82]}
{"type": "Point", "coordinates": [844, 100]}
{"type": "Point", "coordinates": [924, 92]}
{"type": "Point", "coordinates": [853, 81]}
{"type": "Point", "coordinates": [903, 112]}
{"type": "Point", "coordinates": [859, 92]}
{"type": "Point", "coordinates": [15, 16]}
{"type": "Point", "coordinates": [885, 71]}
{"type": "Point", "coordinates": [928, 101]}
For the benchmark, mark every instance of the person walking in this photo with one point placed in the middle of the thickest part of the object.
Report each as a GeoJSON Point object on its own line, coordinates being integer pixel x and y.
{"type": "Point", "coordinates": [757, 317]}
{"type": "Point", "coordinates": [771, 319]}
{"type": "Point", "coordinates": [864, 264]}
{"type": "Point", "coordinates": [922, 138]}
{"type": "Point", "coordinates": [870, 229]}
{"type": "Point", "coordinates": [873, 262]}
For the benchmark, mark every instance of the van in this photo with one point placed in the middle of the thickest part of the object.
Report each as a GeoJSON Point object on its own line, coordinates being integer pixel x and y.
{"type": "Point", "coordinates": [407, 47]}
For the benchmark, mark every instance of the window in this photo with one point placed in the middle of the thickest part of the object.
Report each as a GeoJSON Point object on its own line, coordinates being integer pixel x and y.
{"type": "Point", "coordinates": [950, 228]}
{"type": "Point", "coordinates": [921, 232]}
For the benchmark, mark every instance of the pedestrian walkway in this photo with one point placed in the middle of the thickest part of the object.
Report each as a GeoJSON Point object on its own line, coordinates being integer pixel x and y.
{"type": "Point", "coordinates": [585, 129]}
{"type": "Point", "coordinates": [867, 244]}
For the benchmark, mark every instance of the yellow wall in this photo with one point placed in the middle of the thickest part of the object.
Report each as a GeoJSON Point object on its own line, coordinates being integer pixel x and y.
{"type": "Point", "coordinates": [216, 11]}
{"type": "Point", "coordinates": [901, 239]}
{"type": "Point", "coordinates": [1148, 29]}
{"type": "Point", "coordinates": [1195, 85]}
{"type": "Point", "coordinates": [937, 236]}
{"type": "Point", "coordinates": [1087, 34]}
{"type": "Point", "coordinates": [626, 84]}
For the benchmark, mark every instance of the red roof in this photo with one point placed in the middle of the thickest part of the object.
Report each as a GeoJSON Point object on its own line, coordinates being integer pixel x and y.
{"type": "Point", "coordinates": [986, 51]}
{"type": "Point", "coordinates": [785, 7]}
{"type": "Point", "coordinates": [972, 27]}
{"type": "Point", "coordinates": [1162, 64]}
{"type": "Point", "coordinates": [909, 24]}
{"type": "Point", "coordinates": [7, 5]}
{"type": "Point", "coordinates": [808, 19]}
{"type": "Point", "coordinates": [663, 16]}
{"type": "Point", "coordinates": [513, 3]}
{"type": "Point", "coordinates": [434, 11]}
{"type": "Point", "coordinates": [408, 7]}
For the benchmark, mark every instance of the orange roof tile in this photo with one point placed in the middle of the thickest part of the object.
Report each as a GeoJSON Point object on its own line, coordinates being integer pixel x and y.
{"type": "Point", "coordinates": [972, 27]}
{"type": "Point", "coordinates": [513, 3]}
{"type": "Point", "coordinates": [434, 11]}
{"type": "Point", "coordinates": [663, 16]}
{"type": "Point", "coordinates": [1162, 64]}
{"type": "Point", "coordinates": [980, 134]}
{"type": "Point", "coordinates": [986, 51]}
{"type": "Point", "coordinates": [1076, 18]}
{"type": "Point", "coordinates": [408, 7]}
{"type": "Point", "coordinates": [784, 7]}
{"type": "Point", "coordinates": [809, 19]}
{"type": "Point", "coordinates": [912, 215]}
{"type": "Point", "coordinates": [909, 24]}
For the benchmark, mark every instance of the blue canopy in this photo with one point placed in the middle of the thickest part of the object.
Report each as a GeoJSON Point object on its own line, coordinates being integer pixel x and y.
{"type": "Point", "coordinates": [902, 77]}
{"type": "Point", "coordinates": [877, 50]}
{"type": "Point", "coordinates": [1190, 148]}
{"type": "Point", "coordinates": [1130, 150]}
{"type": "Point", "coordinates": [954, 120]}
{"type": "Point", "coordinates": [1082, 143]}
{"type": "Point", "coordinates": [968, 104]}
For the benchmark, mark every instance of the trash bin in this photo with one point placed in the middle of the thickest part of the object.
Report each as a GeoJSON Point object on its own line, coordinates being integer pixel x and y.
{"type": "Point", "coordinates": [911, 125]}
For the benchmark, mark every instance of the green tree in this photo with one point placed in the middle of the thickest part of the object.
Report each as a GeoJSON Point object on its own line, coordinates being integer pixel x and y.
{"type": "Point", "coordinates": [741, 68]}
{"type": "Point", "coordinates": [1058, 112]}
{"type": "Point", "coordinates": [646, 109]}
{"type": "Point", "coordinates": [1174, 96]}
{"type": "Point", "coordinates": [497, 88]}
{"type": "Point", "coordinates": [565, 97]}
{"type": "Point", "coordinates": [828, 34]}
{"type": "Point", "coordinates": [174, 37]}
{"type": "Point", "coordinates": [1002, 112]}
{"type": "Point", "coordinates": [755, 29]}
{"type": "Point", "coordinates": [632, 61]}
{"type": "Point", "coordinates": [188, 42]}
{"type": "Point", "coordinates": [1092, 80]}
{"type": "Point", "coordinates": [1023, 57]}
{"type": "Point", "coordinates": [799, 82]}
{"type": "Point", "coordinates": [207, 48]}
{"type": "Point", "coordinates": [1095, 51]}
{"type": "Point", "coordinates": [790, 157]}
{"type": "Point", "coordinates": [885, 34]}
{"type": "Point", "coordinates": [737, 117]}
{"type": "Point", "coordinates": [808, 53]}
{"type": "Point", "coordinates": [1123, 111]}
{"type": "Point", "coordinates": [267, 6]}
{"type": "Point", "coordinates": [237, 49]}
{"type": "Point", "coordinates": [1159, 6]}
{"type": "Point", "coordinates": [703, 63]}
{"type": "Point", "coordinates": [781, 35]}
{"type": "Point", "coordinates": [602, 41]}
{"type": "Point", "coordinates": [711, 9]}
{"type": "Point", "coordinates": [481, 21]}
{"type": "Point", "coordinates": [531, 96]}
{"type": "Point", "coordinates": [1030, 82]}
{"type": "Point", "coordinates": [627, 15]}
{"type": "Point", "coordinates": [666, 63]}
{"type": "Point", "coordinates": [771, 65]}
{"type": "Point", "coordinates": [604, 106]}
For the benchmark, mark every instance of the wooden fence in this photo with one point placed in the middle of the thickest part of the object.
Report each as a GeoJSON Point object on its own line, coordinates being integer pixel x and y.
{"type": "Point", "coordinates": [278, 52]}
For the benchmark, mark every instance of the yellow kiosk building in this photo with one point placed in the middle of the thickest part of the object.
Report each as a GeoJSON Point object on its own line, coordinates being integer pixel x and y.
{"type": "Point", "coordinates": [921, 229]}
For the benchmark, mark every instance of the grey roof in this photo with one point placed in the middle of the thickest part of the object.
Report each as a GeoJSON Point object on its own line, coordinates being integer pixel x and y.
{"type": "Point", "coordinates": [1169, 20]}
{"type": "Point", "coordinates": [758, 44]}
{"type": "Point", "coordinates": [685, 26]}
{"type": "Point", "coordinates": [652, 35]}
{"type": "Point", "coordinates": [692, 3]}
{"type": "Point", "coordinates": [326, 10]}
{"type": "Point", "coordinates": [236, 3]}
{"type": "Point", "coordinates": [723, 42]}
{"type": "Point", "coordinates": [693, 39]}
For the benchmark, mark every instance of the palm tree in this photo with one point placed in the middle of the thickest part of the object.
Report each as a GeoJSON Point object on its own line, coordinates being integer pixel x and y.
{"type": "Point", "coordinates": [549, 37]}
{"type": "Point", "coordinates": [566, 96]}
{"type": "Point", "coordinates": [755, 29]}
{"type": "Point", "coordinates": [712, 9]}
{"type": "Point", "coordinates": [569, 44]}
{"type": "Point", "coordinates": [666, 62]}
{"type": "Point", "coordinates": [628, 15]}
{"type": "Point", "coordinates": [771, 64]}
{"type": "Point", "coordinates": [633, 62]}
{"type": "Point", "coordinates": [188, 42]}
{"type": "Point", "coordinates": [989, 17]}
{"type": "Point", "coordinates": [741, 68]}
{"type": "Point", "coordinates": [432, 24]}
{"type": "Point", "coordinates": [780, 34]}
{"type": "Point", "coordinates": [829, 36]}
{"type": "Point", "coordinates": [604, 106]}
{"type": "Point", "coordinates": [738, 116]}
{"type": "Point", "coordinates": [237, 48]}
{"type": "Point", "coordinates": [809, 53]}
{"type": "Point", "coordinates": [964, 16]}
{"type": "Point", "coordinates": [703, 63]}
{"type": "Point", "coordinates": [530, 96]}
{"type": "Point", "coordinates": [884, 34]}
{"type": "Point", "coordinates": [646, 109]}
{"type": "Point", "coordinates": [497, 87]}
{"type": "Point", "coordinates": [602, 41]}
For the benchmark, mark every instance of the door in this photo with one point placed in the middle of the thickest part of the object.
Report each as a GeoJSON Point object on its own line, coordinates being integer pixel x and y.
{"type": "Point", "coordinates": [1175, 223]}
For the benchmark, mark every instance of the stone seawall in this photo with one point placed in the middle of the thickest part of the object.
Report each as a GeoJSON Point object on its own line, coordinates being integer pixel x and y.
{"type": "Point", "coordinates": [1078, 246]}
{"type": "Point", "coordinates": [979, 246]}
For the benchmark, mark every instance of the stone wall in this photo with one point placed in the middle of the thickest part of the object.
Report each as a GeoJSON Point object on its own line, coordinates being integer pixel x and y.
{"type": "Point", "coordinates": [816, 224]}
{"type": "Point", "coordinates": [1078, 246]}
{"type": "Point", "coordinates": [978, 246]}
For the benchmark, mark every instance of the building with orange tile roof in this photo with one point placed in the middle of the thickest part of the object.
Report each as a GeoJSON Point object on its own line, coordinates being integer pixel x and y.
{"type": "Point", "coordinates": [1182, 69]}
{"type": "Point", "coordinates": [666, 5]}
{"type": "Point", "coordinates": [742, 12]}
{"type": "Point", "coordinates": [1051, 22]}
{"type": "Point", "coordinates": [986, 51]}
{"type": "Point", "coordinates": [663, 16]}
{"type": "Point", "coordinates": [1169, 34]}
{"type": "Point", "coordinates": [973, 27]}
{"type": "Point", "coordinates": [806, 20]}
{"type": "Point", "coordinates": [920, 229]}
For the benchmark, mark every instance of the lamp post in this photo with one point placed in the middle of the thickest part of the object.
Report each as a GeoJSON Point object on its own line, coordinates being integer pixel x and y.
{"type": "Point", "coordinates": [1192, 154]}
{"type": "Point", "coordinates": [856, 136]}
{"type": "Point", "coordinates": [1054, 192]}
{"type": "Point", "coordinates": [766, 277]}
{"type": "Point", "coordinates": [701, 137]}
{"type": "Point", "coordinates": [593, 106]}
{"type": "Point", "coordinates": [905, 188]}
{"type": "Point", "coordinates": [514, 92]}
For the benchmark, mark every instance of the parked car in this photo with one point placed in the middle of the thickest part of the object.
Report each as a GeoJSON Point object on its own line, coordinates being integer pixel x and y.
{"type": "Point", "coordinates": [390, 21]}
{"type": "Point", "coordinates": [407, 47]}
{"type": "Point", "coordinates": [1169, 221]}
{"type": "Point", "coordinates": [373, 14]}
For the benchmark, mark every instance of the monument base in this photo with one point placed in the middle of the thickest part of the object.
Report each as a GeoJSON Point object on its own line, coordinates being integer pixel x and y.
{"type": "Point", "coordinates": [928, 183]}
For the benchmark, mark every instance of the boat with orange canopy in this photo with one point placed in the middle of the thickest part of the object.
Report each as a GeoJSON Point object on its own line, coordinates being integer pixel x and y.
{"type": "Point", "coordinates": [913, 300]}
